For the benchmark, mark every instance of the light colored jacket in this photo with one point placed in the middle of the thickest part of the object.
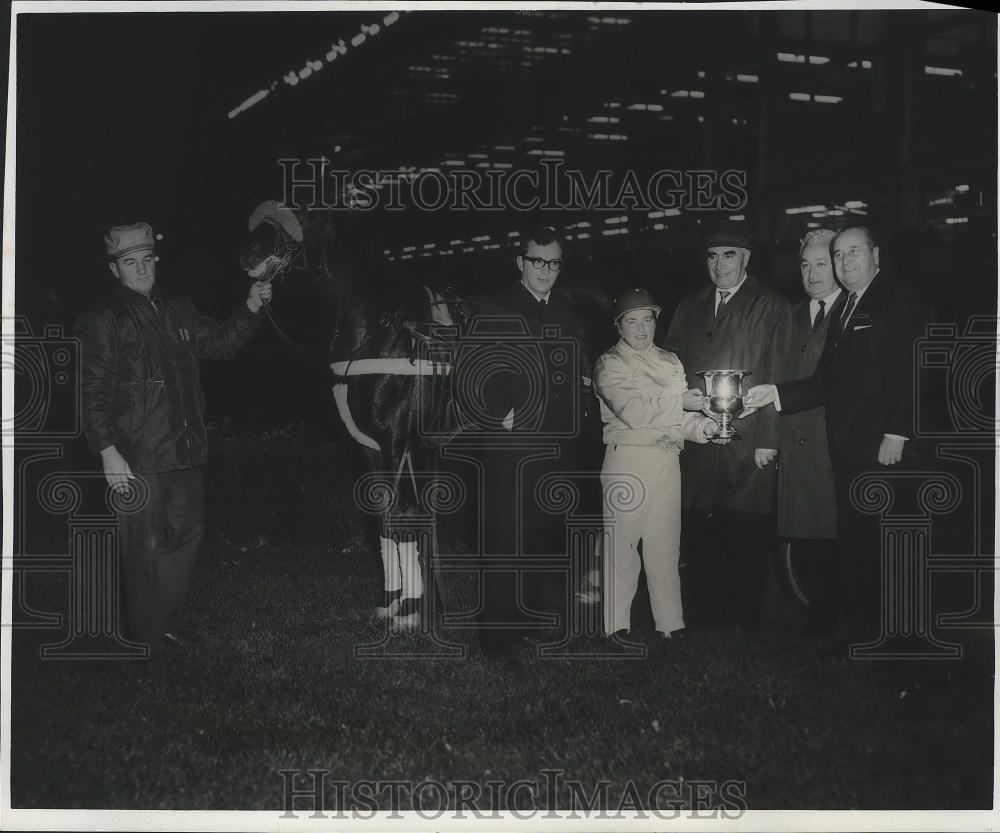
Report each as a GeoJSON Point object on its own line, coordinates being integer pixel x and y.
{"type": "Point", "coordinates": [641, 399]}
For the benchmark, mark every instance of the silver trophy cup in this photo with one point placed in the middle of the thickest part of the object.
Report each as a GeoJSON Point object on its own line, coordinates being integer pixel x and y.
{"type": "Point", "coordinates": [724, 395]}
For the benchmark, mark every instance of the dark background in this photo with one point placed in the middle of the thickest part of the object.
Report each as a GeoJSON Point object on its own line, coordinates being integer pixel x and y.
{"type": "Point", "coordinates": [124, 117]}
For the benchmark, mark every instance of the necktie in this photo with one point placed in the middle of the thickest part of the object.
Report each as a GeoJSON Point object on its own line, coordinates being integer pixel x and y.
{"type": "Point", "coordinates": [852, 299]}
{"type": "Point", "coordinates": [541, 302]}
{"type": "Point", "coordinates": [820, 315]}
{"type": "Point", "coordinates": [723, 297]}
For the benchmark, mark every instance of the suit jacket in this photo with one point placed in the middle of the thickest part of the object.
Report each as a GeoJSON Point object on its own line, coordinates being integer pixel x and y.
{"type": "Point", "coordinates": [865, 376]}
{"type": "Point", "coordinates": [742, 337]}
{"type": "Point", "coordinates": [806, 503]}
{"type": "Point", "coordinates": [522, 357]}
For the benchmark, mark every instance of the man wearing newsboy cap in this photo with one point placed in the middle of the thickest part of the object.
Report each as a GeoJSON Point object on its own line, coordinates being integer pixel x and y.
{"type": "Point", "coordinates": [142, 409]}
{"type": "Point", "coordinates": [728, 488]}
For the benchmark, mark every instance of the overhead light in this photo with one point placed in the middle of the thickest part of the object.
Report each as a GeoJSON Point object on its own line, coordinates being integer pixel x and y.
{"type": "Point", "coordinates": [947, 72]}
{"type": "Point", "coordinates": [828, 99]}
{"type": "Point", "coordinates": [800, 96]}
{"type": "Point", "coordinates": [746, 78]}
{"type": "Point", "coordinates": [791, 58]}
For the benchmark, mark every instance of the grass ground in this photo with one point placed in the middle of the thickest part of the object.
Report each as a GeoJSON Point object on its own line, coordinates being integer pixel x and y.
{"type": "Point", "coordinates": [285, 670]}
{"type": "Point", "coordinates": [271, 681]}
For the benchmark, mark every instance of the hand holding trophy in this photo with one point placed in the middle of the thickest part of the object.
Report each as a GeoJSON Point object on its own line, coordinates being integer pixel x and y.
{"type": "Point", "coordinates": [724, 400]}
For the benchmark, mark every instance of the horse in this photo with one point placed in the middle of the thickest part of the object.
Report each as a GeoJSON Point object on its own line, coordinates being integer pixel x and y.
{"type": "Point", "coordinates": [386, 339]}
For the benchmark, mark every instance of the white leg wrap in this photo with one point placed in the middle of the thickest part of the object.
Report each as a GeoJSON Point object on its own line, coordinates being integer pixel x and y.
{"type": "Point", "coordinates": [390, 564]}
{"type": "Point", "coordinates": [409, 563]}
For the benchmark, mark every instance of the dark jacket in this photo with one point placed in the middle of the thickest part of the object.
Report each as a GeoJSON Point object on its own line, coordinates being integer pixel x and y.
{"type": "Point", "coordinates": [523, 356]}
{"type": "Point", "coordinates": [807, 504]}
{"type": "Point", "coordinates": [139, 387]}
{"type": "Point", "coordinates": [741, 338]}
{"type": "Point", "coordinates": [865, 377]}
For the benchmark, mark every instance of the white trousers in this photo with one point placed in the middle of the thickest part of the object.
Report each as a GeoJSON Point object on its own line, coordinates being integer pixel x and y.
{"type": "Point", "coordinates": [642, 502]}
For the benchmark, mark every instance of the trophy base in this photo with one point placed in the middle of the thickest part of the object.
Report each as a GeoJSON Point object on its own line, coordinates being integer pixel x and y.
{"type": "Point", "coordinates": [726, 429]}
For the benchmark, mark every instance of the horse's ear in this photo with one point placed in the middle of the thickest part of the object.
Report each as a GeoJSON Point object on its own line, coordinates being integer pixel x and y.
{"type": "Point", "coordinates": [279, 215]}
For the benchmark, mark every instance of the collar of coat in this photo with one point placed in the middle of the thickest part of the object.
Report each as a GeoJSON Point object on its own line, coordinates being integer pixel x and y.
{"type": "Point", "coordinates": [130, 296]}
{"type": "Point", "coordinates": [750, 286]}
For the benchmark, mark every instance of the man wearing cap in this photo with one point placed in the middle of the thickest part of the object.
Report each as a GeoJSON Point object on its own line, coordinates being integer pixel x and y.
{"type": "Point", "coordinates": [728, 487]}
{"type": "Point", "coordinates": [521, 385]}
{"type": "Point", "coordinates": [142, 412]}
{"type": "Point", "coordinates": [644, 394]}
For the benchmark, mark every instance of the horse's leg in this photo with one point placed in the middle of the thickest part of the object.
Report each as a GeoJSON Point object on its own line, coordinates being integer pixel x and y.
{"type": "Point", "coordinates": [407, 509]}
{"type": "Point", "coordinates": [391, 573]}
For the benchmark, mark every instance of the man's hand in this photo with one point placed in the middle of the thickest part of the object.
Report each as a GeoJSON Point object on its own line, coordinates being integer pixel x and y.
{"type": "Point", "coordinates": [763, 456]}
{"type": "Point", "coordinates": [116, 470]}
{"type": "Point", "coordinates": [760, 395]}
{"type": "Point", "coordinates": [693, 400]}
{"type": "Point", "coordinates": [711, 429]}
{"type": "Point", "coordinates": [260, 294]}
{"type": "Point", "coordinates": [890, 451]}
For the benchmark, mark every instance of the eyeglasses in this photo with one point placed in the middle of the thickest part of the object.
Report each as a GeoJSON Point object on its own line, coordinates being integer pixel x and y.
{"type": "Point", "coordinates": [539, 262]}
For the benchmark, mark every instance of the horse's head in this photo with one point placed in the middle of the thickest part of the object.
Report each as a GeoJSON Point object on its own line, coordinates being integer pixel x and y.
{"type": "Point", "coordinates": [275, 237]}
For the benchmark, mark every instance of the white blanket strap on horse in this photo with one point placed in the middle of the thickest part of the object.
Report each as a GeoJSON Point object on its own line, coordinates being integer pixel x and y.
{"type": "Point", "coordinates": [366, 367]}
{"type": "Point", "coordinates": [393, 367]}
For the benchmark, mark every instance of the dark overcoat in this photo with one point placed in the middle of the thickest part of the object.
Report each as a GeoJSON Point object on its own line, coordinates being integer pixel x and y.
{"type": "Point", "coordinates": [742, 337]}
{"type": "Point", "coordinates": [807, 506]}
{"type": "Point", "coordinates": [524, 360]}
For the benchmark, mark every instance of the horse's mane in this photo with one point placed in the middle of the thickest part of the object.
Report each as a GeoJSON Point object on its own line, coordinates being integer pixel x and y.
{"type": "Point", "coordinates": [344, 250]}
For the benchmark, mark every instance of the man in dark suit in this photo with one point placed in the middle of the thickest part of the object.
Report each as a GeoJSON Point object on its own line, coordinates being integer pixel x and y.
{"type": "Point", "coordinates": [728, 488]}
{"type": "Point", "coordinates": [806, 506]}
{"type": "Point", "coordinates": [520, 382]}
{"type": "Point", "coordinates": [865, 379]}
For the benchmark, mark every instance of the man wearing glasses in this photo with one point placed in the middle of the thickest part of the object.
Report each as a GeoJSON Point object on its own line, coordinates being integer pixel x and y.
{"type": "Point", "coordinates": [524, 388]}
